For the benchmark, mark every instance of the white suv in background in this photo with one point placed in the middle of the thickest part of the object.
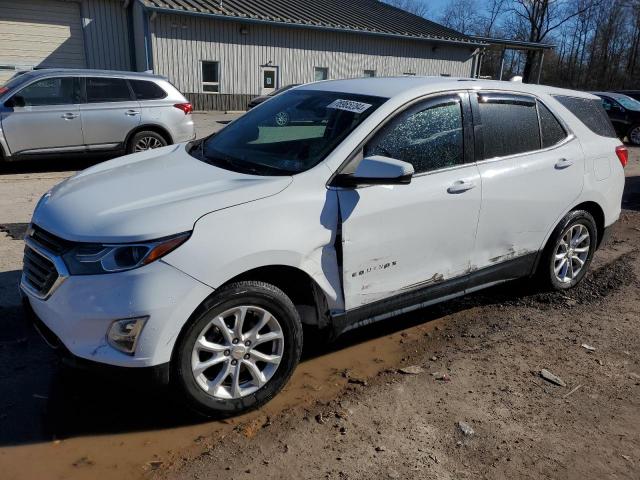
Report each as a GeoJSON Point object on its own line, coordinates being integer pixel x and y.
{"type": "Point", "coordinates": [332, 205]}
{"type": "Point", "coordinates": [63, 111]}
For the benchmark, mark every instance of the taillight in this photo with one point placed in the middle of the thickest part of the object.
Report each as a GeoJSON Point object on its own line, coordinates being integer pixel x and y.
{"type": "Point", "coordinates": [623, 155]}
{"type": "Point", "coordinates": [3, 90]}
{"type": "Point", "coordinates": [187, 108]}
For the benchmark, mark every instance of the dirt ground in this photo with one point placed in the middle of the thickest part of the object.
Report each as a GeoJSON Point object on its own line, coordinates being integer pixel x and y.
{"type": "Point", "coordinates": [350, 411]}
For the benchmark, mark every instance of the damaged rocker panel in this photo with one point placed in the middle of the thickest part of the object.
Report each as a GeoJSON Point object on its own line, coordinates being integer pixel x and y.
{"type": "Point", "coordinates": [431, 292]}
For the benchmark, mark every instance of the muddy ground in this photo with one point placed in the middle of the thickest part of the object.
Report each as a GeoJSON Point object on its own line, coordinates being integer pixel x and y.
{"type": "Point", "coordinates": [349, 411]}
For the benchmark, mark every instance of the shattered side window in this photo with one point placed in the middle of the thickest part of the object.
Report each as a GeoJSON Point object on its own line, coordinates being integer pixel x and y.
{"type": "Point", "coordinates": [590, 112]}
{"type": "Point", "coordinates": [428, 138]}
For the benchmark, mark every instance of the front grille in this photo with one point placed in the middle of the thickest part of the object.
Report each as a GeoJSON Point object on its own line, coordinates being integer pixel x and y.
{"type": "Point", "coordinates": [39, 272]}
{"type": "Point", "coordinates": [49, 241]}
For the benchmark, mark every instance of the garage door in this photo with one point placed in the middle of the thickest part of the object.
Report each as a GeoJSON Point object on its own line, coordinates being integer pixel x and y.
{"type": "Point", "coordinates": [40, 33]}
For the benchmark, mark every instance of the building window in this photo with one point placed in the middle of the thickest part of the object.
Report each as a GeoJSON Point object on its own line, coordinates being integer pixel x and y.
{"type": "Point", "coordinates": [320, 73]}
{"type": "Point", "coordinates": [211, 77]}
{"type": "Point", "coordinates": [369, 73]}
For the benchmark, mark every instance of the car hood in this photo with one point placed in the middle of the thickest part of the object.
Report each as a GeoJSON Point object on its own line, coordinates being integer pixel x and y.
{"type": "Point", "coordinates": [146, 196]}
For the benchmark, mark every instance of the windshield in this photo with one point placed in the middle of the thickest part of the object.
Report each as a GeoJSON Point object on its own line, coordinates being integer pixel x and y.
{"type": "Point", "coordinates": [628, 103]}
{"type": "Point", "coordinates": [290, 133]}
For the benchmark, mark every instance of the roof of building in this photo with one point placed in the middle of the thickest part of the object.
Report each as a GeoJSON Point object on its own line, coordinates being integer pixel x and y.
{"type": "Point", "coordinates": [365, 16]}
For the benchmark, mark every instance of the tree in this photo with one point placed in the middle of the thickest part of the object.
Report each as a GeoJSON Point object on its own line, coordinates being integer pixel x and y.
{"type": "Point", "coordinates": [541, 17]}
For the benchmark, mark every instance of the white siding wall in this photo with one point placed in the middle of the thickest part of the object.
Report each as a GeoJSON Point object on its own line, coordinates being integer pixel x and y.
{"type": "Point", "coordinates": [180, 43]}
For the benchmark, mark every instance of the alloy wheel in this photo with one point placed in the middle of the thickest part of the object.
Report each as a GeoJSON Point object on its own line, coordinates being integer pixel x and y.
{"type": "Point", "coordinates": [634, 136]}
{"type": "Point", "coordinates": [147, 143]}
{"type": "Point", "coordinates": [238, 352]}
{"type": "Point", "coordinates": [571, 253]}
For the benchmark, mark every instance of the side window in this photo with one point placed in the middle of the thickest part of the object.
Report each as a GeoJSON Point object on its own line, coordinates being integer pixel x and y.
{"type": "Point", "coordinates": [210, 77]}
{"type": "Point", "coordinates": [145, 90]}
{"type": "Point", "coordinates": [552, 130]}
{"type": "Point", "coordinates": [606, 103]}
{"type": "Point", "coordinates": [590, 112]}
{"type": "Point", "coordinates": [50, 91]}
{"type": "Point", "coordinates": [509, 125]}
{"type": "Point", "coordinates": [102, 89]}
{"type": "Point", "coordinates": [428, 137]}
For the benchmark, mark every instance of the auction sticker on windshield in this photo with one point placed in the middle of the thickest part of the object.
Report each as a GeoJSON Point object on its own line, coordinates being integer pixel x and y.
{"type": "Point", "coordinates": [349, 105]}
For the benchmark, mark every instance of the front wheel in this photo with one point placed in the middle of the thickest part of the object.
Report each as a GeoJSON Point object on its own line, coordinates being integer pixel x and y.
{"type": "Point", "coordinates": [240, 352]}
{"type": "Point", "coordinates": [569, 252]}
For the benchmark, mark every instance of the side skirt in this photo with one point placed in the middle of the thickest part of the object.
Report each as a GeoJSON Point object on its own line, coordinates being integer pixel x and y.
{"type": "Point", "coordinates": [423, 297]}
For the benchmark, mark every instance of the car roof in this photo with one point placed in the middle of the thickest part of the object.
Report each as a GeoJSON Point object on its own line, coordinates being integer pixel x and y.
{"type": "Point", "coordinates": [92, 72]}
{"type": "Point", "coordinates": [393, 86]}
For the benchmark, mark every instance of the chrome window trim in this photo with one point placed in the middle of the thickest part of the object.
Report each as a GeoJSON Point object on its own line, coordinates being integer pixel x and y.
{"type": "Point", "coordinates": [565, 141]}
{"type": "Point", "coordinates": [61, 269]}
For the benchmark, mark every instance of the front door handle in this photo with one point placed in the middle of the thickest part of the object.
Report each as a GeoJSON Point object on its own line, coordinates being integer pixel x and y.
{"type": "Point", "coordinates": [461, 186]}
{"type": "Point", "coordinates": [132, 113]}
{"type": "Point", "coordinates": [69, 116]}
{"type": "Point", "coordinates": [563, 163]}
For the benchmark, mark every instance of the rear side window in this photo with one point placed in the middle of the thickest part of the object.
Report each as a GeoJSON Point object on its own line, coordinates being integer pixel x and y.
{"type": "Point", "coordinates": [100, 90]}
{"type": "Point", "coordinates": [552, 131]}
{"type": "Point", "coordinates": [590, 112]}
{"type": "Point", "coordinates": [145, 90]}
{"type": "Point", "coordinates": [50, 91]}
{"type": "Point", "coordinates": [509, 124]}
{"type": "Point", "coordinates": [429, 137]}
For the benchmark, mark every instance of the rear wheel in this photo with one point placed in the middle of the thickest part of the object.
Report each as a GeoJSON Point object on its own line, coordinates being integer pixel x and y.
{"type": "Point", "coordinates": [145, 140]}
{"type": "Point", "coordinates": [569, 251]}
{"type": "Point", "coordinates": [634, 135]}
{"type": "Point", "coordinates": [240, 352]}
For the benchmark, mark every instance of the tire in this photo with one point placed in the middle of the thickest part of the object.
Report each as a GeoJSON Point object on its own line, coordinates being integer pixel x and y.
{"type": "Point", "coordinates": [573, 227]}
{"type": "Point", "coordinates": [634, 135]}
{"type": "Point", "coordinates": [213, 391]}
{"type": "Point", "coordinates": [145, 140]}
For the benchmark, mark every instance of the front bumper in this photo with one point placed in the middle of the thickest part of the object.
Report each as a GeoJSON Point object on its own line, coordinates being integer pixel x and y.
{"type": "Point", "coordinates": [82, 308]}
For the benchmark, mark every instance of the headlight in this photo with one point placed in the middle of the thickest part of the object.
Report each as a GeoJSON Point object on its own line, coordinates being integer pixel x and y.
{"type": "Point", "coordinates": [91, 259]}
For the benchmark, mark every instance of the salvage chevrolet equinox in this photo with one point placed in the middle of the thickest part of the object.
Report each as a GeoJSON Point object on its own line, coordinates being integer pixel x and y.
{"type": "Point", "coordinates": [332, 205]}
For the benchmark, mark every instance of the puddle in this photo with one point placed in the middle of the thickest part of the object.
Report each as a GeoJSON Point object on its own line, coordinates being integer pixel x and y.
{"type": "Point", "coordinates": [110, 454]}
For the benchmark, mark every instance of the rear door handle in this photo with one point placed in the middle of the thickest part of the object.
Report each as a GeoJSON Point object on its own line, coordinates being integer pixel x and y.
{"type": "Point", "coordinates": [461, 186]}
{"type": "Point", "coordinates": [69, 116]}
{"type": "Point", "coordinates": [563, 163]}
{"type": "Point", "coordinates": [132, 113]}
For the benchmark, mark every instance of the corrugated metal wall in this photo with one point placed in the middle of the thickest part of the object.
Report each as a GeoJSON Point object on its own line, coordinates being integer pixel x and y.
{"type": "Point", "coordinates": [106, 33]}
{"type": "Point", "coordinates": [180, 43]}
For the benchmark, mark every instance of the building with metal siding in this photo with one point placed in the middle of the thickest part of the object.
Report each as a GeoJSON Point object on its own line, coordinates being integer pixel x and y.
{"type": "Point", "coordinates": [64, 33]}
{"type": "Point", "coordinates": [222, 53]}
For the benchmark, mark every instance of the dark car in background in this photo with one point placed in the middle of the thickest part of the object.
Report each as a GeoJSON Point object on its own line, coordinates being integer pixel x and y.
{"type": "Point", "coordinates": [263, 98]}
{"type": "Point", "coordinates": [635, 94]}
{"type": "Point", "coordinates": [624, 113]}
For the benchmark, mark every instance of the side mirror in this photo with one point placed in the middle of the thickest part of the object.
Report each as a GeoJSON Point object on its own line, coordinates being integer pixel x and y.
{"type": "Point", "coordinates": [15, 101]}
{"type": "Point", "coordinates": [376, 170]}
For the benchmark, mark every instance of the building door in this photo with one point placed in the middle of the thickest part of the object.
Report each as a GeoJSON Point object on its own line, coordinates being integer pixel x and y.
{"type": "Point", "coordinates": [39, 33]}
{"type": "Point", "coordinates": [269, 80]}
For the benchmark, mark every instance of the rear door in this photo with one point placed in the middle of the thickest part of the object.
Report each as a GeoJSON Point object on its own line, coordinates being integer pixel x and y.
{"type": "Point", "coordinates": [532, 171]}
{"type": "Point", "coordinates": [110, 112]}
{"type": "Point", "coordinates": [44, 118]}
{"type": "Point", "coordinates": [405, 238]}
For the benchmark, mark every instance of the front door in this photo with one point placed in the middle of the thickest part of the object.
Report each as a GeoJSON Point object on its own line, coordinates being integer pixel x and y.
{"type": "Point", "coordinates": [399, 239]}
{"type": "Point", "coordinates": [269, 80]}
{"type": "Point", "coordinates": [110, 112]}
{"type": "Point", "coordinates": [44, 117]}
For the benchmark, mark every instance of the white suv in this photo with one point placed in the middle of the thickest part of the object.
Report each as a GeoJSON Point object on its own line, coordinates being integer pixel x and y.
{"type": "Point", "coordinates": [332, 205]}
